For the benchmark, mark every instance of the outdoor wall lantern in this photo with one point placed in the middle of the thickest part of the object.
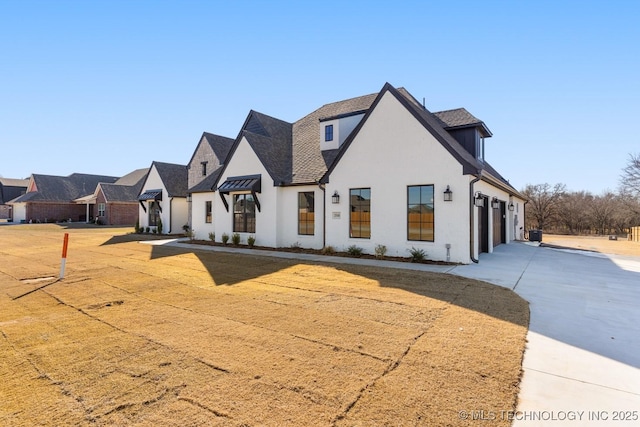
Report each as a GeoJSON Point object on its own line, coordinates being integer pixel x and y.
{"type": "Point", "coordinates": [448, 195]}
{"type": "Point", "coordinates": [335, 199]}
{"type": "Point", "coordinates": [189, 198]}
{"type": "Point", "coordinates": [511, 207]}
{"type": "Point", "coordinates": [479, 200]}
{"type": "Point", "coordinates": [495, 204]}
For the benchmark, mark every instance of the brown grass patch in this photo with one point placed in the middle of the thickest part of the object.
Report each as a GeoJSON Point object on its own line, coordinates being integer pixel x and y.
{"type": "Point", "coordinates": [600, 244]}
{"type": "Point", "coordinates": [143, 335]}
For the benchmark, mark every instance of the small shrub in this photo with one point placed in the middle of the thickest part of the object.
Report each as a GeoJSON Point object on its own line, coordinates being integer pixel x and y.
{"type": "Point", "coordinates": [328, 250]}
{"type": "Point", "coordinates": [225, 238]}
{"type": "Point", "coordinates": [251, 240]}
{"type": "Point", "coordinates": [212, 236]}
{"type": "Point", "coordinates": [186, 228]}
{"type": "Point", "coordinates": [159, 229]}
{"type": "Point", "coordinates": [191, 234]}
{"type": "Point", "coordinates": [235, 239]}
{"type": "Point", "coordinates": [354, 250]}
{"type": "Point", "coordinates": [147, 229]}
{"type": "Point", "coordinates": [154, 230]}
{"type": "Point", "coordinates": [381, 251]}
{"type": "Point", "coordinates": [137, 228]}
{"type": "Point", "coordinates": [417, 255]}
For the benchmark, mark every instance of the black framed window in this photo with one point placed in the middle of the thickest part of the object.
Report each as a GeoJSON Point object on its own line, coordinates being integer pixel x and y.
{"type": "Point", "coordinates": [420, 224]}
{"type": "Point", "coordinates": [207, 212]}
{"type": "Point", "coordinates": [154, 213]}
{"type": "Point", "coordinates": [204, 168]}
{"type": "Point", "coordinates": [306, 213]}
{"type": "Point", "coordinates": [360, 215]}
{"type": "Point", "coordinates": [244, 213]}
{"type": "Point", "coordinates": [328, 133]}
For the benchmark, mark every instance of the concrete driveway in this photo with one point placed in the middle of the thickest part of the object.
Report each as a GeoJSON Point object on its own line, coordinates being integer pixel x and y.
{"type": "Point", "coordinates": [582, 361]}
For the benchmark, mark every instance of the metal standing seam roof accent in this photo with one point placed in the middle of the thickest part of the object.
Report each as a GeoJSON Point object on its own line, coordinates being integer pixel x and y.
{"type": "Point", "coordinates": [241, 183]}
{"type": "Point", "coordinates": [151, 195]}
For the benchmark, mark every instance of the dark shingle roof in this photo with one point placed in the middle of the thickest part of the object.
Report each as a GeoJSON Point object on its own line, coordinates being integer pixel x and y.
{"type": "Point", "coordinates": [208, 183]}
{"type": "Point", "coordinates": [291, 152]}
{"type": "Point", "coordinates": [460, 118]}
{"type": "Point", "coordinates": [12, 188]}
{"type": "Point", "coordinates": [270, 139]}
{"type": "Point", "coordinates": [221, 145]}
{"type": "Point", "coordinates": [120, 193]}
{"type": "Point", "coordinates": [50, 188]}
{"type": "Point", "coordinates": [309, 163]}
{"type": "Point", "coordinates": [174, 177]}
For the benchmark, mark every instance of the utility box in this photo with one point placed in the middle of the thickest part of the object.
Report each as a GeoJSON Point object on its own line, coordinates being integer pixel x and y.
{"type": "Point", "coordinates": [535, 235]}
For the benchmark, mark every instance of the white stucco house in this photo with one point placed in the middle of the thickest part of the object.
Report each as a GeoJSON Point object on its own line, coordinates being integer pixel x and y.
{"type": "Point", "coordinates": [379, 169]}
{"type": "Point", "coordinates": [163, 198]}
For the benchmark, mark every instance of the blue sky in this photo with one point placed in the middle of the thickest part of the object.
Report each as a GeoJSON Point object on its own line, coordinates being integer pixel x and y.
{"type": "Point", "coordinates": [107, 87]}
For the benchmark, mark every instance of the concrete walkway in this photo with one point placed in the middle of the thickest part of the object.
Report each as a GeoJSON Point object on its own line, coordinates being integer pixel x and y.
{"type": "Point", "coordinates": [582, 360]}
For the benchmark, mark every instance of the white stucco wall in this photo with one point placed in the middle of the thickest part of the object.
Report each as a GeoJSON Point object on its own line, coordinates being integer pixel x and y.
{"type": "Point", "coordinates": [174, 212]}
{"type": "Point", "coordinates": [198, 218]}
{"type": "Point", "coordinates": [245, 162]}
{"type": "Point", "coordinates": [19, 212]}
{"type": "Point", "coordinates": [288, 218]}
{"type": "Point", "coordinates": [179, 211]}
{"type": "Point", "coordinates": [393, 151]}
{"type": "Point", "coordinates": [342, 128]}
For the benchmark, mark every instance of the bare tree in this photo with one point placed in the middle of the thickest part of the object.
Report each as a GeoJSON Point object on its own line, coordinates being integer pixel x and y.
{"type": "Point", "coordinates": [543, 203]}
{"type": "Point", "coordinates": [602, 211]}
{"type": "Point", "coordinates": [573, 214]}
{"type": "Point", "coordinates": [630, 178]}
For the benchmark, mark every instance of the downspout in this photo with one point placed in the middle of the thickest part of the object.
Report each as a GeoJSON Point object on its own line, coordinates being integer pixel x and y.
{"type": "Point", "coordinates": [471, 206]}
{"type": "Point", "coordinates": [324, 213]}
{"type": "Point", "coordinates": [524, 217]}
{"type": "Point", "coordinates": [170, 210]}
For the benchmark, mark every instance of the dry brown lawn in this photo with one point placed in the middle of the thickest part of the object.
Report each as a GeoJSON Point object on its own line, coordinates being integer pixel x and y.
{"type": "Point", "coordinates": [600, 244]}
{"type": "Point", "coordinates": [153, 335]}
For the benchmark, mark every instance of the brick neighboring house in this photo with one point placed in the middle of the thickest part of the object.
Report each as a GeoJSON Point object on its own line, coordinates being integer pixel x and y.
{"type": "Point", "coordinates": [51, 198]}
{"type": "Point", "coordinates": [115, 203]}
{"type": "Point", "coordinates": [9, 190]}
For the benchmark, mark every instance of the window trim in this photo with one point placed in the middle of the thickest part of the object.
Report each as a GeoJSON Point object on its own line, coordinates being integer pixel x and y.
{"type": "Point", "coordinates": [102, 209]}
{"type": "Point", "coordinates": [351, 210]}
{"type": "Point", "coordinates": [328, 133]}
{"type": "Point", "coordinates": [308, 224]}
{"type": "Point", "coordinates": [204, 168]}
{"type": "Point", "coordinates": [154, 213]}
{"type": "Point", "coordinates": [208, 211]}
{"type": "Point", "coordinates": [433, 207]}
{"type": "Point", "coordinates": [245, 222]}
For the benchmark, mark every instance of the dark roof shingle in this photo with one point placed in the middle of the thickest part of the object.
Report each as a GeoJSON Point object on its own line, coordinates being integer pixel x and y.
{"type": "Point", "coordinates": [174, 177]}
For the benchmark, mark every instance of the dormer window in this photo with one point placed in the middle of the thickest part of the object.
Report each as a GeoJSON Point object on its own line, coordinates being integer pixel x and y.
{"type": "Point", "coordinates": [480, 148]}
{"type": "Point", "coordinates": [204, 168]}
{"type": "Point", "coordinates": [328, 133]}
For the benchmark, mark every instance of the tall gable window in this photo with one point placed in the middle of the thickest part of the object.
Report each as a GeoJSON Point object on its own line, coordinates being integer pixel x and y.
{"type": "Point", "coordinates": [306, 213]}
{"type": "Point", "coordinates": [420, 223]}
{"type": "Point", "coordinates": [328, 133]}
{"type": "Point", "coordinates": [204, 168]}
{"type": "Point", "coordinates": [207, 212]}
{"type": "Point", "coordinates": [244, 213]}
{"type": "Point", "coordinates": [360, 216]}
{"type": "Point", "coordinates": [101, 209]}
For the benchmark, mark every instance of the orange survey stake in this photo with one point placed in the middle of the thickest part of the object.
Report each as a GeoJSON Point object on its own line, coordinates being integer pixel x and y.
{"type": "Point", "coordinates": [65, 244]}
